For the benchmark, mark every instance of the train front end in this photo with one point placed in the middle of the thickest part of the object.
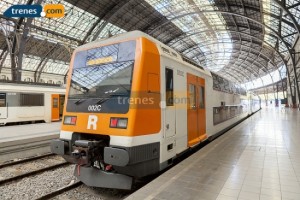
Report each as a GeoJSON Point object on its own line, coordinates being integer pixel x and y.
{"type": "Point", "coordinates": [112, 118]}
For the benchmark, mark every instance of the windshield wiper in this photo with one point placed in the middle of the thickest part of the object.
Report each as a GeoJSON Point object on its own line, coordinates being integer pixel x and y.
{"type": "Point", "coordinates": [79, 101]}
{"type": "Point", "coordinates": [118, 94]}
{"type": "Point", "coordinates": [101, 101]}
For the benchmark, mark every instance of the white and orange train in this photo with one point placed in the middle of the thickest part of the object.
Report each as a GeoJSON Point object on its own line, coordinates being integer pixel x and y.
{"type": "Point", "coordinates": [133, 105]}
{"type": "Point", "coordinates": [22, 103]}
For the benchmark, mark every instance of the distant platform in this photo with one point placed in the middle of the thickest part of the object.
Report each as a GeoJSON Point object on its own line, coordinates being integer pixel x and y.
{"type": "Point", "coordinates": [257, 160]}
{"type": "Point", "coordinates": [26, 140]}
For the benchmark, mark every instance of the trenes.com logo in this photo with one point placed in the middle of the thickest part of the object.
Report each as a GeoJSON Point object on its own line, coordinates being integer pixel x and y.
{"type": "Point", "coordinates": [49, 10]}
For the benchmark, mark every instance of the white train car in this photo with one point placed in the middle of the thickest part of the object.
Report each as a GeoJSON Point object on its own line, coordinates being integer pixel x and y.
{"type": "Point", "coordinates": [134, 104]}
{"type": "Point", "coordinates": [21, 103]}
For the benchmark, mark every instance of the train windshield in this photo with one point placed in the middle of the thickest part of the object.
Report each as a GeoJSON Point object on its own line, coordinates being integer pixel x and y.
{"type": "Point", "coordinates": [102, 76]}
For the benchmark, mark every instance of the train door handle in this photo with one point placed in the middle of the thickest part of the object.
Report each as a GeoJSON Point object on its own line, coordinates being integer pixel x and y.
{"type": "Point", "coordinates": [167, 126]}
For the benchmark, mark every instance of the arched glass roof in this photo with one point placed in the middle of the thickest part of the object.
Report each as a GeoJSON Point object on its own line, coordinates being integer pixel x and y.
{"type": "Point", "coordinates": [242, 40]}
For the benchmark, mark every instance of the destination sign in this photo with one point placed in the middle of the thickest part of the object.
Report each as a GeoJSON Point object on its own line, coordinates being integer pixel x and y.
{"type": "Point", "coordinates": [98, 61]}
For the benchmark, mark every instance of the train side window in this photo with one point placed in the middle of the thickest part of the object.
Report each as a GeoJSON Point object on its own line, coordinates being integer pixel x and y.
{"type": "Point", "coordinates": [192, 96]}
{"type": "Point", "coordinates": [31, 99]}
{"type": "Point", "coordinates": [202, 97]}
{"type": "Point", "coordinates": [55, 102]}
{"type": "Point", "coordinates": [2, 99]}
{"type": "Point", "coordinates": [169, 87]}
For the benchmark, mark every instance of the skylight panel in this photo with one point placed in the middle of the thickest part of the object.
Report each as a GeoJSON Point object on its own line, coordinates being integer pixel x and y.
{"type": "Point", "coordinates": [198, 21]}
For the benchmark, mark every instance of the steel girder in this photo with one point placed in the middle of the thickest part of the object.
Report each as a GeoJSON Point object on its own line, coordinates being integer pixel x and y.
{"type": "Point", "coordinates": [254, 9]}
{"type": "Point", "coordinates": [35, 27]}
{"type": "Point", "coordinates": [251, 50]}
{"type": "Point", "coordinates": [152, 26]}
{"type": "Point", "coordinates": [3, 56]}
{"type": "Point", "coordinates": [8, 46]}
{"type": "Point", "coordinates": [283, 7]}
{"type": "Point", "coordinates": [286, 10]}
{"type": "Point", "coordinates": [219, 30]}
{"type": "Point", "coordinates": [241, 44]}
{"type": "Point", "coordinates": [41, 65]}
{"type": "Point", "coordinates": [16, 52]}
{"type": "Point", "coordinates": [278, 35]}
{"type": "Point", "coordinates": [114, 11]}
{"type": "Point", "coordinates": [237, 26]}
{"type": "Point", "coordinates": [282, 88]}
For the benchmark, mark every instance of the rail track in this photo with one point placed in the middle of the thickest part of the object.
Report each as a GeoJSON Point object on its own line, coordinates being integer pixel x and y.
{"type": "Point", "coordinates": [51, 191]}
{"type": "Point", "coordinates": [66, 190]}
{"type": "Point", "coordinates": [59, 191]}
{"type": "Point", "coordinates": [31, 172]}
{"type": "Point", "coordinates": [10, 163]}
{"type": "Point", "coordinates": [22, 148]}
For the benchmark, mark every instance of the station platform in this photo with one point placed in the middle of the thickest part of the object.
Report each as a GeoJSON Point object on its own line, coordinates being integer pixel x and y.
{"type": "Point", "coordinates": [258, 159]}
{"type": "Point", "coordinates": [26, 140]}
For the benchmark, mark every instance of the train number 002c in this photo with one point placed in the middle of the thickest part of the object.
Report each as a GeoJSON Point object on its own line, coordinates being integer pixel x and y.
{"type": "Point", "coordinates": [94, 108]}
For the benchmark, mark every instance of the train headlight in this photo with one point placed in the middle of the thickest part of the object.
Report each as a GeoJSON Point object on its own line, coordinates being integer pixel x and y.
{"type": "Point", "coordinates": [118, 122]}
{"type": "Point", "coordinates": [122, 123]}
{"type": "Point", "coordinates": [70, 120]}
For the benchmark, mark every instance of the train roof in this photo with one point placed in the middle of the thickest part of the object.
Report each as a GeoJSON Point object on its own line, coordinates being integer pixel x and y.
{"type": "Point", "coordinates": [31, 87]}
{"type": "Point", "coordinates": [163, 49]}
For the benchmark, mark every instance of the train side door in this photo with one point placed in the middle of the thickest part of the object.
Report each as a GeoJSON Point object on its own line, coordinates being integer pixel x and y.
{"type": "Point", "coordinates": [196, 116]}
{"type": "Point", "coordinates": [3, 106]}
{"type": "Point", "coordinates": [201, 108]}
{"type": "Point", "coordinates": [55, 107]}
{"type": "Point", "coordinates": [192, 113]}
{"type": "Point", "coordinates": [170, 107]}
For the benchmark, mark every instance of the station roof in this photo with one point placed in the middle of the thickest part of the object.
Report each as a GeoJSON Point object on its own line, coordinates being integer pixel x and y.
{"type": "Point", "coordinates": [241, 40]}
{"type": "Point", "coordinates": [273, 88]}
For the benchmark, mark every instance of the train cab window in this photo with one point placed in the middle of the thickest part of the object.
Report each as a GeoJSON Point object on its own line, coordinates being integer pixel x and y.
{"type": "Point", "coordinates": [2, 99]}
{"type": "Point", "coordinates": [192, 96]}
{"type": "Point", "coordinates": [169, 87]}
{"type": "Point", "coordinates": [103, 75]}
{"type": "Point", "coordinates": [202, 97]}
